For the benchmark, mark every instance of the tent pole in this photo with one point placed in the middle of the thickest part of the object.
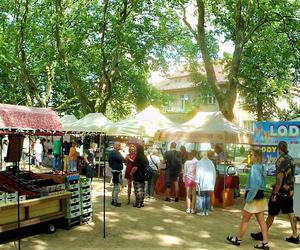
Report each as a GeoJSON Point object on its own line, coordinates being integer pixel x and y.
{"type": "Point", "coordinates": [104, 181]}
{"type": "Point", "coordinates": [1, 138]}
{"type": "Point", "coordinates": [29, 154]}
{"type": "Point", "coordinates": [18, 188]}
{"type": "Point", "coordinates": [99, 168]}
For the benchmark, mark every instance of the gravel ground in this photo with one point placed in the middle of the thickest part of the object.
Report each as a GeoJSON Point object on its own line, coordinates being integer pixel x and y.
{"type": "Point", "coordinates": [159, 225]}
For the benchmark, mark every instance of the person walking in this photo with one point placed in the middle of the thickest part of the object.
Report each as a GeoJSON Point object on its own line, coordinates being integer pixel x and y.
{"type": "Point", "coordinates": [154, 163]}
{"type": "Point", "coordinates": [116, 160]}
{"type": "Point", "coordinates": [173, 168]}
{"type": "Point", "coordinates": [138, 175]}
{"type": "Point", "coordinates": [205, 179]}
{"type": "Point", "coordinates": [283, 192]}
{"type": "Point", "coordinates": [189, 178]}
{"type": "Point", "coordinates": [256, 203]}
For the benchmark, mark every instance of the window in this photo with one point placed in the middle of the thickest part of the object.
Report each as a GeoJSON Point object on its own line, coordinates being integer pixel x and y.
{"type": "Point", "coordinates": [170, 106]}
{"type": "Point", "coordinates": [249, 125]}
{"type": "Point", "coordinates": [208, 99]}
{"type": "Point", "coordinates": [183, 99]}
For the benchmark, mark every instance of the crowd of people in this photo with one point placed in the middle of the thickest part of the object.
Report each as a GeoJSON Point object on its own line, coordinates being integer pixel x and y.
{"type": "Point", "coordinates": [199, 176]}
{"type": "Point", "coordinates": [142, 171]}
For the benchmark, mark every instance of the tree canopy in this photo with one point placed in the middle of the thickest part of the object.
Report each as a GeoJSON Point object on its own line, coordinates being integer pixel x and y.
{"type": "Point", "coordinates": [82, 56]}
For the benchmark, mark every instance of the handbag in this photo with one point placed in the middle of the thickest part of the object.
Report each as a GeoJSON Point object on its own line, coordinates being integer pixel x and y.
{"type": "Point", "coordinates": [148, 173]}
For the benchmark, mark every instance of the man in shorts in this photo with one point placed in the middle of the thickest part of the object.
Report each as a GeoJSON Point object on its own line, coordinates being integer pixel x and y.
{"type": "Point", "coordinates": [173, 168]}
{"type": "Point", "coordinates": [116, 160]}
{"type": "Point", "coordinates": [283, 192]}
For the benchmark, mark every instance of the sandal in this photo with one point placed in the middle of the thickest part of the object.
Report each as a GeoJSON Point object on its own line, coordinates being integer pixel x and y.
{"type": "Point", "coordinates": [264, 246]}
{"type": "Point", "coordinates": [234, 240]}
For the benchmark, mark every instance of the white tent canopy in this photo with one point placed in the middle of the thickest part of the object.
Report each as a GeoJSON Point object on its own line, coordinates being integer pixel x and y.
{"type": "Point", "coordinates": [206, 127]}
{"type": "Point", "coordinates": [66, 121]}
{"type": "Point", "coordinates": [295, 119]}
{"type": "Point", "coordinates": [93, 122]}
{"type": "Point", "coordinates": [144, 124]}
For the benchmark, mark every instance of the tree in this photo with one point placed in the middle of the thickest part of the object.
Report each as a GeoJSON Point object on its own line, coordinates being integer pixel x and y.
{"type": "Point", "coordinates": [84, 56]}
{"type": "Point", "coordinates": [239, 21]}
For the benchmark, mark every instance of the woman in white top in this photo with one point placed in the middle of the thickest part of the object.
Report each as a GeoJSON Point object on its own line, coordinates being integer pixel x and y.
{"type": "Point", "coordinates": [189, 178]}
{"type": "Point", "coordinates": [154, 163]}
{"type": "Point", "coordinates": [38, 151]}
{"type": "Point", "coordinates": [206, 179]}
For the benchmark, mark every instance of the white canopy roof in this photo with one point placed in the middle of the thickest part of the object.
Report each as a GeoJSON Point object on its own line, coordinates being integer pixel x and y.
{"type": "Point", "coordinates": [206, 127]}
{"type": "Point", "coordinates": [145, 124]}
{"type": "Point", "coordinates": [93, 122]}
{"type": "Point", "coordinates": [295, 119]}
{"type": "Point", "coordinates": [66, 120]}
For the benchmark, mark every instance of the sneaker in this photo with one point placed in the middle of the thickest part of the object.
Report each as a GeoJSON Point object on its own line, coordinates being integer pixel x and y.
{"type": "Point", "coordinates": [292, 239]}
{"type": "Point", "coordinates": [188, 210]}
{"type": "Point", "coordinates": [168, 199]}
{"type": "Point", "coordinates": [112, 203]}
{"type": "Point", "coordinates": [257, 236]}
{"type": "Point", "coordinates": [206, 213]}
{"type": "Point", "coordinates": [117, 204]}
{"type": "Point", "coordinates": [192, 211]}
{"type": "Point", "coordinates": [201, 213]}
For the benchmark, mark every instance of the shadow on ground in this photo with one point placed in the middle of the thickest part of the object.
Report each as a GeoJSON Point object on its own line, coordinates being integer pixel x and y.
{"type": "Point", "coordinates": [159, 225]}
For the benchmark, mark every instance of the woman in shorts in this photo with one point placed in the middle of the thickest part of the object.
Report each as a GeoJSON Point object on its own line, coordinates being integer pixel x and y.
{"type": "Point", "coordinates": [189, 175]}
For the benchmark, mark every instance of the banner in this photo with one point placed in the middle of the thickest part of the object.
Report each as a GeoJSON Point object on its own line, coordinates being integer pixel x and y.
{"type": "Point", "coordinates": [271, 133]}
{"type": "Point", "coordinates": [269, 154]}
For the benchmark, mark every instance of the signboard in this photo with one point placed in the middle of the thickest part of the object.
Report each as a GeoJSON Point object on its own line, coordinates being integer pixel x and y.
{"type": "Point", "coordinates": [271, 133]}
{"type": "Point", "coordinates": [269, 154]}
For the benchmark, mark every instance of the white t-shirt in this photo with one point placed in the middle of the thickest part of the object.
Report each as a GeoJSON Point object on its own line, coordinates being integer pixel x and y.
{"type": "Point", "coordinates": [190, 168]}
{"type": "Point", "coordinates": [154, 162]}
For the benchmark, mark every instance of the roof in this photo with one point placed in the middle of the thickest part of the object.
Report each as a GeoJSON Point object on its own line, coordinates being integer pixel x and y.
{"type": "Point", "coordinates": [93, 122]}
{"type": "Point", "coordinates": [145, 123]}
{"type": "Point", "coordinates": [181, 79]}
{"type": "Point", "coordinates": [14, 117]}
{"type": "Point", "coordinates": [206, 127]}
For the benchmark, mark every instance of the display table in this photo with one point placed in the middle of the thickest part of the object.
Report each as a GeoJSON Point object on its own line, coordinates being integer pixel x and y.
{"type": "Point", "coordinates": [231, 183]}
{"type": "Point", "coordinates": [161, 187]}
{"type": "Point", "coordinates": [34, 211]}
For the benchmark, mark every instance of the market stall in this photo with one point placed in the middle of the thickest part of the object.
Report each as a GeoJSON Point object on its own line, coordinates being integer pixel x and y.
{"type": "Point", "coordinates": [144, 124]}
{"type": "Point", "coordinates": [208, 127]}
{"type": "Point", "coordinates": [27, 198]}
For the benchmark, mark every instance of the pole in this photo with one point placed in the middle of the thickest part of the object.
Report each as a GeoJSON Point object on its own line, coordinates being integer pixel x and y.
{"type": "Point", "coordinates": [18, 188]}
{"type": "Point", "coordinates": [104, 181]}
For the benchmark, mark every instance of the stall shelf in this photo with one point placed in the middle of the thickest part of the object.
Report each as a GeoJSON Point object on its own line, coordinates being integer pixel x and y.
{"type": "Point", "coordinates": [34, 211]}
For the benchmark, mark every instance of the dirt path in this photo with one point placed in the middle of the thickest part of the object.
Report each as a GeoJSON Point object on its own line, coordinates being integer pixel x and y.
{"type": "Point", "coordinates": [159, 225]}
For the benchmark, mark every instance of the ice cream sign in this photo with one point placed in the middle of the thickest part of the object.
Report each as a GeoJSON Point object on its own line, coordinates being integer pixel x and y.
{"type": "Point", "coordinates": [270, 133]}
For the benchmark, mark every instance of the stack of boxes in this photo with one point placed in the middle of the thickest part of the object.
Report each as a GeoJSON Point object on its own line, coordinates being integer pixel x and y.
{"type": "Point", "coordinates": [79, 207]}
{"type": "Point", "coordinates": [2, 197]}
{"type": "Point", "coordinates": [73, 205]}
{"type": "Point", "coordinates": [86, 197]}
{"type": "Point", "coordinates": [10, 197]}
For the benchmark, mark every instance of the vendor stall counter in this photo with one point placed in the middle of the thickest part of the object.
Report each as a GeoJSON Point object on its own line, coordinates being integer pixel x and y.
{"type": "Point", "coordinates": [33, 211]}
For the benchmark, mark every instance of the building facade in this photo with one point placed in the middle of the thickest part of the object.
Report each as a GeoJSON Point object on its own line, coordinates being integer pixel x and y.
{"type": "Point", "coordinates": [186, 99]}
